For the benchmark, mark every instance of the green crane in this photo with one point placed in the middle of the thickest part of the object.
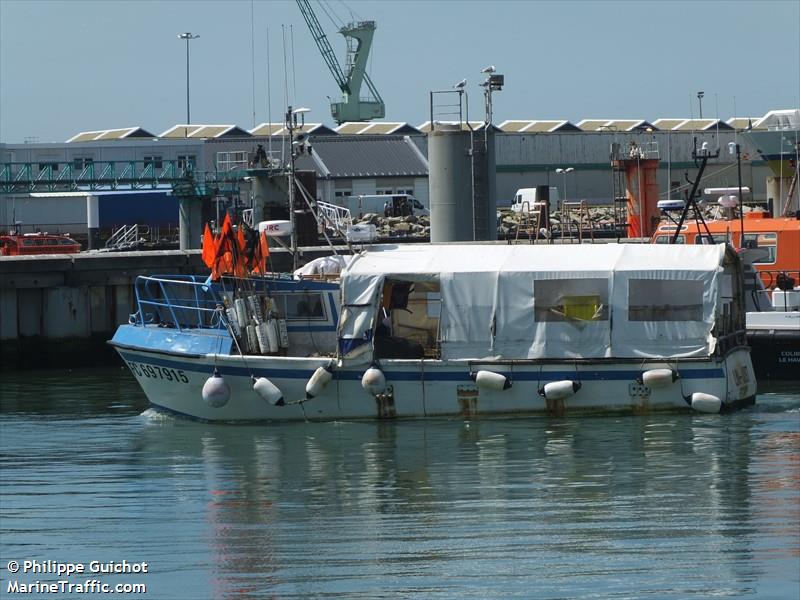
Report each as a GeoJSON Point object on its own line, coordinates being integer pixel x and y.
{"type": "Point", "coordinates": [351, 107]}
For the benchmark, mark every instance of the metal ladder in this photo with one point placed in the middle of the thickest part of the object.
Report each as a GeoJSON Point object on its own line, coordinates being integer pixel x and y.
{"type": "Point", "coordinates": [530, 220]}
{"type": "Point", "coordinates": [582, 209]}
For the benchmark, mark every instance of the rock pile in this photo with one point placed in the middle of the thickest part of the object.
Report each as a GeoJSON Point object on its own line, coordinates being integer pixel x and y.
{"type": "Point", "coordinates": [418, 226]}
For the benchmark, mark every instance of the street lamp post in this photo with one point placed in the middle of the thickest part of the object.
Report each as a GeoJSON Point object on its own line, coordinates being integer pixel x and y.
{"type": "Point", "coordinates": [700, 100]}
{"type": "Point", "coordinates": [564, 173]}
{"type": "Point", "coordinates": [187, 36]}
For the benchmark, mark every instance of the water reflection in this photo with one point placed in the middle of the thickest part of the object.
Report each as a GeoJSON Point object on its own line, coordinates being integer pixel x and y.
{"type": "Point", "coordinates": [286, 503]}
{"type": "Point", "coordinates": [633, 506]}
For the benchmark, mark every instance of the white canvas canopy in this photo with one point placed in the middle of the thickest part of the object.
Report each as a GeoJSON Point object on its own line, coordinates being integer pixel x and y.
{"type": "Point", "coordinates": [554, 301]}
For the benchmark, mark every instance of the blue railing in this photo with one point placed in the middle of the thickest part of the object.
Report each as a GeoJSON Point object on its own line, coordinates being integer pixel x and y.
{"type": "Point", "coordinates": [180, 301]}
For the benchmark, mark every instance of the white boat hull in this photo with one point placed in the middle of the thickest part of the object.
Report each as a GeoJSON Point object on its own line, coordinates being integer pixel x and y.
{"type": "Point", "coordinates": [427, 388]}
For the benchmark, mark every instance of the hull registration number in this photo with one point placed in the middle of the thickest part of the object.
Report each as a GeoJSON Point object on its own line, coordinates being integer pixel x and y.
{"type": "Point", "coordinates": [156, 372]}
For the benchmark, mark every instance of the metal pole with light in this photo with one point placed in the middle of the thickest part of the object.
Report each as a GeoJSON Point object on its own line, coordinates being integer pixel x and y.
{"type": "Point", "coordinates": [187, 36]}
{"type": "Point", "coordinates": [564, 173]}
{"type": "Point", "coordinates": [700, 100]}
{"type": "Point", "coordinates": [733, 147]}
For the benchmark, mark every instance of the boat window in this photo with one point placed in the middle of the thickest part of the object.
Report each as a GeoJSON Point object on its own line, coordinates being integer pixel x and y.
{"type": "Point", "coordinates": [570, 300]}
{"type": "Point", "coordinates": [303, 306]}
{"type": "Point", "coordinates": [665, 300]}
{"type": "Point", "coordinates": [767, 241]}
{"type": "Point", "coordinates": [719, 238]}
{"type": "Point", "coordinates": [665, 239]}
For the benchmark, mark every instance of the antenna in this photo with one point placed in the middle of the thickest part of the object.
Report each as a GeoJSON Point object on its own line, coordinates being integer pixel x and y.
{"type": "Point", "coordinates": [269, 98]}
{"type": "Point", "coordinates": [253, 59]}
{"type": "Point", "coordinates": [294, 78]}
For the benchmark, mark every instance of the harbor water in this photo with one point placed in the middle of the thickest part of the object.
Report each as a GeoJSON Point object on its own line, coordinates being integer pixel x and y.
{"type": "Point", "coordinates": [648, 506]}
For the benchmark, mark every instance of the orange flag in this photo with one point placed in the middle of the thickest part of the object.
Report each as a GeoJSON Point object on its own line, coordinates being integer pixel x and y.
{"type": "Point", "coordinates": [209, 249]}
{"type": "Point", "coordinates": [263, 252]}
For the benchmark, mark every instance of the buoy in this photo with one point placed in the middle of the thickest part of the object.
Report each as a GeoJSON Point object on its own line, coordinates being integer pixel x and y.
{"type": "Point", "coordinates": [272, 335]}
{"type": "Point", "coordinates": [263, 337]}
{"type": "Point", "coordinates": [374, 381]}
{"type": "Point", "coordinates": [558, 390]}
{"type": "Point", "coordinates": [318, 381]}
{"type": "Point", "coordinates": [234, 322]}
{"type": "Point", "coordinates": [241, 312]}
{"type": "Point", "coordinates": [216, 391]}
{"type": "Point", "coordinates": [704, 403]}
{"type": "Point", "coordinates": [255, 308]}
{"type": "Point", "coordinates": [491, 380]}
{"type": "Point", "coordinates": [268, 391]}
{"type": "Point", "coordinates": [283, 334]}
{"type": "Point", "coordinates": [659, 378]}
{"type": "Point", "coordinates": [252, 338]}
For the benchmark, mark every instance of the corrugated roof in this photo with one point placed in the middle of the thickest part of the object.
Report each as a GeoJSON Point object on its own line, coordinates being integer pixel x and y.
{"type": "Point", "coordinates": [111, 134]}
{"type": "Point", "coordinates": [383, 127]}
{"type": "Point", "coordinates": [220, 131]}
{"type": "Point", "coordinates": [691, 124]}
{"type": "Point", "coordinates": [179, 131]}
{"type": "Point", "coordinates": [743, 122]}
{"type": "Point", "coordinates": [536, 126]}
{"type": "Point", "coordinates": [267, 129]}
{"type": "Point", "coordinates": [204, 131]}
{"type": "Point", "coordinates": [351, 127]}
{"type": "Point", "coordinates": [476, 126]}
{"type": "Point", "coordinates": [667, 124]}
{"type": "Point", "coordinates": [592, 124]}
{"type": "Point", "coordinates": [370, 156]}
{"type": "Point", "coordinates": [280, 129]}
{"type": "Point", "coordinates": [615, 125]}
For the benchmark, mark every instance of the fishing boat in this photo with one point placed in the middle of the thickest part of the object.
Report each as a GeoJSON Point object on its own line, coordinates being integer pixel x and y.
{"type": "Point", "coordinates": [460, 330]}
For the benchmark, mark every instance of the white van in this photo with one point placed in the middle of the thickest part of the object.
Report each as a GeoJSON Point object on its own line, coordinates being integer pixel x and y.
{"type": "Point", "coordinates": [529, 196]}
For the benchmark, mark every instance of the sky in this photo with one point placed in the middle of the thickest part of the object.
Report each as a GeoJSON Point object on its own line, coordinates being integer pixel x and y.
{"type": "Point", "coordinates": [69, 66]}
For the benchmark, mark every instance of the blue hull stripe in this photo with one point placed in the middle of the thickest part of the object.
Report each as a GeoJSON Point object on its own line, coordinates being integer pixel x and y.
{"type": "Point", "coordinates": [413, 375]}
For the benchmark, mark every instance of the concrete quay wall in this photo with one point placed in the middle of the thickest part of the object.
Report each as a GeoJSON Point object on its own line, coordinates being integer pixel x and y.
{"type": "Point", "coordinates": [60, 310]}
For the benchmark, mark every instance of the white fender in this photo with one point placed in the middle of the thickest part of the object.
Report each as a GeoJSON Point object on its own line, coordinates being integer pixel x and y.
{"type": "Point", "coordinates": [268, 391]}
{"type": "Point", "coordinates": [318, 381]}
{"type": "Point", "coordinates": [491, 380]}
{"type": "Point", "coordinates": [255, 308]}
{"type": "Point", "coordinates": [272, 335]}
{"type": "Point", "coordinates": [374, 381]}
{"type": "Point", "coordinates": [216, 391]}
{"type": "Point", "coordinates": [283, 334]}
{"type": "Point", "coordinates": [705, 403]}
{"type": "Point", "coordinates": [252, 338]}
{"type": "Point", "coordinates": [659, 378]}
{"type": "Point", "coordinates": [558, 390]}
{"type": "Point", "coordinates": [234, 322]}
{"type": "Point", "coordinates": [241, 312]}
{"type": "Point", "coordinates": [263, 337]}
